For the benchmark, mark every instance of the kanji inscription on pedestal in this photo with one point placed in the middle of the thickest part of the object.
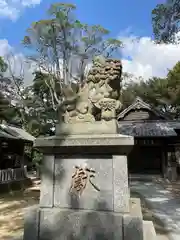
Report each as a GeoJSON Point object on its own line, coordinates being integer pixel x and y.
{"type": "Point", "coordinates": [80, 179]}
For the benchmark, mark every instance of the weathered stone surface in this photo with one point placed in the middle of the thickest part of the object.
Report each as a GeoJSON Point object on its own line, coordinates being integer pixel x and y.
{"type": "Point", "coordinates": [111, 178]}
{"type": "Point", "coordinates": [56, 224]}
{"type": "Point", "coordinates": [111, 172]}
{"type": "Point", "coordinates": [98, 127]}
{"type": "Point", "coordinates": [98, 97]}
{"type": "Point", "coordinates": [85, 140]}
{"type": "Point", "coordinates": [31, 223]}
{"type": "Point", "coordinates": [47, 178]}
{"type": "Point", "coordinates": [91, 198]}
{"type": "Point", "coordinates": [120, 182]}
{"type": "Point", "coordinates": [133, 222]}
{"type": "Point", "coordinates": [149, 231]}
{"type": "Point", "coordinates": [132, 228]}
{"type": "Point", "coordinates": [135, 207]}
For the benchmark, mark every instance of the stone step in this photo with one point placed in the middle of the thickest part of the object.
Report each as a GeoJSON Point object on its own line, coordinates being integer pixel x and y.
{"type": "Point", "coordinates": [135, 207]}
{"type": "Point", "coordinates": [161, 238]}
{"type": "Point", "coordinates": [149, 231]}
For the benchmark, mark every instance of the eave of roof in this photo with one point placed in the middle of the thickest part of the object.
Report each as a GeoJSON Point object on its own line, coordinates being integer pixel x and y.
{"type": "Point", "coordinates": [140, 104]}
{"type": "Point", "coordinates": [5, 135]}
{"type": "Point", "coordinates": [16, 133]}
{"type": "Point", "coordinates": [149, 129]}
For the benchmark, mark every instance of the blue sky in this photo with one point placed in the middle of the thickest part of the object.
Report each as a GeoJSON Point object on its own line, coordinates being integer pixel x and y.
{"type": "Point", "coordinates": [115, 15]}
{"type": "Point", "coordinates": [128, 20]}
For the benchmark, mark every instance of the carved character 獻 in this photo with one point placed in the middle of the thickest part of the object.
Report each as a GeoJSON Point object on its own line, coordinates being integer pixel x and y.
{"type": "Point", "coordinates": [80, 179]}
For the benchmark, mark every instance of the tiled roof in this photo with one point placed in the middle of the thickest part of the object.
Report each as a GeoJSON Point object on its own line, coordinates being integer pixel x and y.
{"type": "Point", "coordinates": [16, 133]}
{"type": "Point", "coordinates": [6, 135]}
{"type": "Point", "coordinates": [149, 129]}
{"type": "Point", "coordinates": [21, 133]}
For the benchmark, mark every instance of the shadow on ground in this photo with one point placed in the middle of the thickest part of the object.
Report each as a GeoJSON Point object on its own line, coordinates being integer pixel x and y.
{"type": "Point", "coordinates": [164, 205]}
{"type": "Point", "coordinates": [148, 215]}
{"type": "Point", "coordinates": [12, 207]}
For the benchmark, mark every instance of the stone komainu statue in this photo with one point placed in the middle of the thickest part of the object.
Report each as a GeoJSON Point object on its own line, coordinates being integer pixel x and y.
{"type": "Point", "coordinates": [98, 98]}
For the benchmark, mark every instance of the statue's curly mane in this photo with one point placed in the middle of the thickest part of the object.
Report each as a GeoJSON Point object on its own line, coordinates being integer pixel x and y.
{"type": "Point", "coordinates": [98, 99]}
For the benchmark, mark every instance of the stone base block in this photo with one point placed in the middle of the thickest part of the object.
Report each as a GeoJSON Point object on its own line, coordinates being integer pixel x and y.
{"type": "Point", "coordinates": [99, 127]}
{"type": "Point", "coordinates": [133, 222]}
{"type": "Point", "coordinates": [132, 228]}
{"type": "Point", "coordinates": [56, 224]}
{"type": "Point", "coordinates": [31, 223]}
{"type": "Point", "coordinates": [79, 225]}
{"type": "Point", "coordinates": [135, 207]}
{"type": "Point", "coordinates": [148, 230]}
{"type": "Point", "coordinates": [61, 224]}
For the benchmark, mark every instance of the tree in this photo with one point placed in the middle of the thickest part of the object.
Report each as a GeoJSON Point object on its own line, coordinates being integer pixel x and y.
{"type": "Point", "coordinates": [162, 93]}
{"type": "Point", "coordinates": [20, 98]}
{"type": "Point", "coordinates": [22, 104]}
{"type": "Point", "coordinates": [5, 109]}
{"type": "Point", "coordinates": [44, 114]}
{"type": "Point", "coordinates": [130, 91]}
{"type": "Point", "coordinates": [3, 69]}
{"type": "Point", "coordinates": [29, 107]}
{"type": "Point", "coordinates": [63, 44]}
{"type": "Point", "coordinates": [3, 66]}
{"type": "Point", "coordinates": [154, 91]}
{"type": "Point", "coordinates": [173, 87]}
{"type": "Point", "coordinates": [166, 21]}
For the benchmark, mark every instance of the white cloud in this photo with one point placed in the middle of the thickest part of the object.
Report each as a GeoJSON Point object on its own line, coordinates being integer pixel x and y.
{"type": "Point", "coordinates": [30, 2]}
{"type": "Point", "coordinates": [4, 47]}
{"type": "Point", "coordinates": [12, 8]}
{"type": "Point", "coordinates": [146, 58]}
{"type": "Point", "coordinates": [142, 57]}
{"type": "Point", "coordinates": [19, 64]}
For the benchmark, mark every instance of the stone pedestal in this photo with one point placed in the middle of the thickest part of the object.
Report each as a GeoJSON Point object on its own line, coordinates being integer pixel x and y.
{"type": "Point", "coordinates": [103, 212]}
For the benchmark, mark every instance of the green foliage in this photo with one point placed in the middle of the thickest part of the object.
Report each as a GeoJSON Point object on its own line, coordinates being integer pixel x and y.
{"type": "Point", "coordinates": [40, 117]}
{"type": "Point", "coordinates": [162, 93]}
{"type": "Point", "coordinates": [153, 91]}
{"type": "Point", "coordinates": [4, 107]}
{"type": "Point", "coordinates": [6, 111]}
{"type": "Point", "coordinates": [40, 85]}
{"type": "Point", "coordinates": [3, 66]}
{"type": "Point", "coordinates": [37, 158]}
{"type": "Point", "coordinates": [165, 20]}
{"type": "Point", "coordinates": [173, 88]}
